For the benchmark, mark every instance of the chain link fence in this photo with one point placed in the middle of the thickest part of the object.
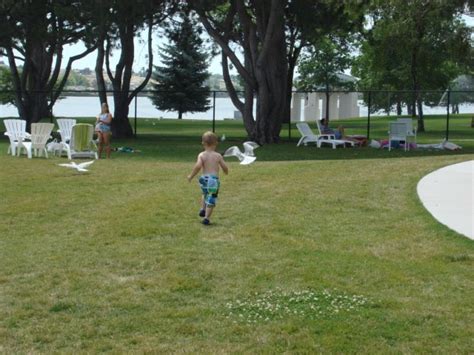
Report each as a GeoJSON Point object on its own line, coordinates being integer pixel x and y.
{"type": "Point", "coordinates": [446, 114]}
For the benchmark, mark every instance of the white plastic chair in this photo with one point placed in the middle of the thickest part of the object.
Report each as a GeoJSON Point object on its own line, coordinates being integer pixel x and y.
{"type": "Point", "coordinates": [90, 151]}
{"type": "Point", "coordinates": [307, 135]}
{"type": "Point", "coordinates": [40, 133]}
{"type": "Point", "coordinates": [65, 128]}
{"type": "Point", "coordinates": [397, 132]}
{"type": "Point", "coordinates": [16, 132]}
{"type": "Point", "coordinates": [411, 130]}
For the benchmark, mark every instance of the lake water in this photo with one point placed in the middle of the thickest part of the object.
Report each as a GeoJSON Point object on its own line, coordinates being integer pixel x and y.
{"type": "Point", "coordinates": [76, 106]}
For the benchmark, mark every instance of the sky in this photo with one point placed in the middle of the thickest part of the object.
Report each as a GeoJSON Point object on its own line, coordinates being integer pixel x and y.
{"type": "Point", "coordinates": [140, 60]}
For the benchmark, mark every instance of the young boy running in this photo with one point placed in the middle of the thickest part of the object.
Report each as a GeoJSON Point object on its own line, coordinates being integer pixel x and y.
{"type": "Point", "coordinates": [209, 161]}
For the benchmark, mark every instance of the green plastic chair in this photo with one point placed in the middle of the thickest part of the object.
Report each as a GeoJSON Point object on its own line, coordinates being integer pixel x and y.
{"type": "Point", "coordinates": [82, 144]}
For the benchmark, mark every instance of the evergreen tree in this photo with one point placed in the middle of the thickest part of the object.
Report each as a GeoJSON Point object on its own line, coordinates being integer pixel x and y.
{"type": "Point", "coordinates": [180, 80]}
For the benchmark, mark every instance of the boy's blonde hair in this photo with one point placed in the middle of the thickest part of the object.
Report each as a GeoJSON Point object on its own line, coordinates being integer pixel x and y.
{"type": "Point", "coordinates": [209, 138]}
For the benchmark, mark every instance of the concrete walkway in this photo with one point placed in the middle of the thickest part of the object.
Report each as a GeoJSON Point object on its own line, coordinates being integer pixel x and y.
{"type": "Point", "coordinates": [448, 194]}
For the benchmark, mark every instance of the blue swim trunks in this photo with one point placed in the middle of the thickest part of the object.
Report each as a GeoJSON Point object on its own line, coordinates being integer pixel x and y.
{"type": "Point", "coordinates": [210, 189]}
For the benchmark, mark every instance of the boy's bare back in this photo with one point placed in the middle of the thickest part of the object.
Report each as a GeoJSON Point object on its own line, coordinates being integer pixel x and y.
{"type": "Point", "coordinates": [211, 161]}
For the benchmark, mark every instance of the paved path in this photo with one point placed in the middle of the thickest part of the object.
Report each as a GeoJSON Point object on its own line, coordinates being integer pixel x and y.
{"type": "Point", "coordinates": [448, 194]}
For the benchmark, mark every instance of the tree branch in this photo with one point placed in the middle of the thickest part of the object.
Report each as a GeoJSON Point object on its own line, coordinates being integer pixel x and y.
{"type": "Point", "coordinates": [226, 49]}
{"type": "Point", "coordinates": [107, 61]}
{"type": "Point", "coordinates": [16, 83]}
{"type": "Point", "coordinates": [276, 11]}
{"type": "Point", "coordinates": [67, 71]}
{"type": "Point", "coordinates": [150, 63]}
{"type": "Point", "coordinates": [230, 86]}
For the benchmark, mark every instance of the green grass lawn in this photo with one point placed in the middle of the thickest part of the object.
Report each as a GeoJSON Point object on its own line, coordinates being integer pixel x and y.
{"type": "Point", "coordinates": [311, 250]}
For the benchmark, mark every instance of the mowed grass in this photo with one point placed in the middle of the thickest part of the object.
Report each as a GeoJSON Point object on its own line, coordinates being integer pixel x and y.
{"type": "Point", "coordinates": [116, 260]}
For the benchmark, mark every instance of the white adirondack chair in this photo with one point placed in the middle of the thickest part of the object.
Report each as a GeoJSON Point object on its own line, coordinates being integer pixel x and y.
{"type": "Point", "coordinates": [81, 144]}
{"type": "Point", "coordinates": [16, 132]}
{"type": "Point", "coordinates": [40, 133]}
{"type": "Point", "coordinates": [397, 132]}
{"type": "Point", "coordinates": [411, 130]}
{"type": "Point", "coordinates": [65, 128]}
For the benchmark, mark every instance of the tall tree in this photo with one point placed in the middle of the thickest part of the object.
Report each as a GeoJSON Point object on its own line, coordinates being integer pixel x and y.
{"type": "Point", "coordinates": [269, 35]}
{"type": "Point", "coordinates": [415, 45]}
{"type": "Point", "coordinates": [257, 28]}
{"type": "Point", "coordinates": [32, 36]}
{"type": "Point", "coordinates": [180, 80]}
{"type": "Point", "coordinates": [6, 87]}
{"type": "Point", "coordinates": [122, 21]}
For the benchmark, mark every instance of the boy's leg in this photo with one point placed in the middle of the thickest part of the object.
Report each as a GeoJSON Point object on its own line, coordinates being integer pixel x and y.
{"type": "Point", "coordinates": [202, 211]}
{"type": "Point", "coordinates": [209, 210]}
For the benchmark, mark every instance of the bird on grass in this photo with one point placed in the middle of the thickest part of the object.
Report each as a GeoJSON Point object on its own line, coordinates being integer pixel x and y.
{"type": "Point", "coordinates": [247, 157]}
{"type": "Point", "coordinates": [79, 167]}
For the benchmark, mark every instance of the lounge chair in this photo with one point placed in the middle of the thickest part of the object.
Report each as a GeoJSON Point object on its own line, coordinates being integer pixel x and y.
{"type": "Point", "coordinates": [81, 144]}
{"type": "Point", "coordinates": [330, 138]}
{"type": "Point", "coordinates": [307, 135]}
{"type": "Point", "coordinates": [16, 132]}
{"type": "Point", "coordinates": [40, 133]}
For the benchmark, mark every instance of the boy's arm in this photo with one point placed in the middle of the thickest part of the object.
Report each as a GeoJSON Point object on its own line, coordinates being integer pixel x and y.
{"type": "Point", "coordinates": [196, 169]}
{"type": "Point", "coordinates": [223, 165]}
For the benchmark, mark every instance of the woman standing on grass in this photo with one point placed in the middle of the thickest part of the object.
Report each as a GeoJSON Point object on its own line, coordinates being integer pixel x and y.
{"type": "Point", "coordinates": [102, 127]}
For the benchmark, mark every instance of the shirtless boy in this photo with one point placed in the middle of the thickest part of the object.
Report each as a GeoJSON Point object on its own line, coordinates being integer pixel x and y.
{"type": "Point", "coordinates": [209, 161]}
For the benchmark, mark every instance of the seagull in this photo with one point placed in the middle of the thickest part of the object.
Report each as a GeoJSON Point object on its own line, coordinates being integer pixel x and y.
{"type": "Point", "coordinates": [79, 167]}
{"type": "Point", "coordinates": [247, 157]}
{"type": "Point", "coordinates": [249, 147]}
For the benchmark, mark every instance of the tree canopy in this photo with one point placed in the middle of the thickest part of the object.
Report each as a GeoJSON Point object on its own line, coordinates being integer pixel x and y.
{"type": "Point", "coordinates": [413, 45]}
{"type": "Point", "coordinates": [180, 81]}
{"type": "Point", "coordinates": [32, 36]}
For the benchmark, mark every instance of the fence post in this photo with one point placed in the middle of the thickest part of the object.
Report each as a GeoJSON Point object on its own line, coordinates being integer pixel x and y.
{"type": "Point", "coordinates": [447, 113]}
{"type": "Point", "coordinates": [289, 118]}
{"type": "Point", "coordinates": [135, 123]}
{"type": "Point", "coordinates": [368, 114]}
{"type": "Point", "coordinates": [213, 111]}
{"type": "Point", "coordinates": [51, 116]}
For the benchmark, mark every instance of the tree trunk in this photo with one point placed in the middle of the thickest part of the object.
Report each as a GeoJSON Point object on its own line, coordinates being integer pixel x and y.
{"type": "Point", "coordinates": [271, 75]}
{"type": "Point", "coordinates": [180, 115]}
{"type": "Point", "coordinates": [292, 60]}
{"type": "Point", "coordinates": [99, 74]}
{"type": "Point", "coordinates": [121, 127]}
{"type": "Point", "coordinates": [120, 124]}
{"type": "Point", "coordinates": [399, 108]}
{"type": "Point", "coordinates": [262, 40]}
{"type": "Point", "coordinates": [421, 122]}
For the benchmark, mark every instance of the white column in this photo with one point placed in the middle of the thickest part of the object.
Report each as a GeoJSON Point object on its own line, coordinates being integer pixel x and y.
{"type": "Point", "coordinates": [318, 109]}
{"type": "Point", "coordinates": [296, 107]}
{"type": "Point", "coordinates": [333, 110]}
{"type": "Point", "coordinates": [355, 109]}
{"type": "Point", "coordinates": [323, 105]}
{"type": "Point", "coordinates": [345, 106]}
{"type": "Point", "coordinates": [311, 107]}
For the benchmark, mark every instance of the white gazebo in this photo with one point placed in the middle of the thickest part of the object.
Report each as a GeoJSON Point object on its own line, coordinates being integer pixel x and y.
{"type": "Point", "coordinates": [341, 104]}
